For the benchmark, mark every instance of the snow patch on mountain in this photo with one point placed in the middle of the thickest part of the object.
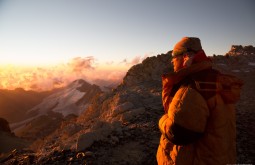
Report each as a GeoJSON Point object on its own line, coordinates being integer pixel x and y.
{"type": "Point", "coordinates": [64, 101]}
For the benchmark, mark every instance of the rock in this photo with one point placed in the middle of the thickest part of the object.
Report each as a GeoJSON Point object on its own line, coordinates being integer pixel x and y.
{"type": "Point", "coordinates": [8, 156]}
{"type": "Point", "coordinates": [102, 130]}
{"type": "Point", "coordinates": [114, 139]}
{"type": "Point", "coordinates": [65, 152]}
{"type": "Point", "coordinates": [126, 117]}
{"type": "Point", "coordinates": [85, 141]}
{"type": "Point", "coordinates": [80, 155]}
{"type": "Point", "coordinates": [122, 108]}
{"type": "Point", "coordinates": [71, 129]}
{"type": "Point", "coordinates": [149, 70]}
{"type": "Point", "coordinates": [29, 159]}
{"type": "Point", "coordinates": [70, 159]}
{"type": "Point", "coordinates": [89, 154]}
{"type": "Point", "coordinates": [116, 127]}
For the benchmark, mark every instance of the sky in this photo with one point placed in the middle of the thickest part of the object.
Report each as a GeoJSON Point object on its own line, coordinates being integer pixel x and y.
{"type": "Point", "coordinates": [49, 43]}
{"type": "Point", "coordinates": [36, 32]}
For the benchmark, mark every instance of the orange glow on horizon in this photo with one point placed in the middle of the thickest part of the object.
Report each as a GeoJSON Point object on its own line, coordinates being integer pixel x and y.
{"type": "Point", "coordinates": [49, 77]}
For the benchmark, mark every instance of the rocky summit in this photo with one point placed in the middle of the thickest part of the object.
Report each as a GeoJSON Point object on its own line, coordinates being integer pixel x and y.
{"type": "Point", "coordinates": [237, 50]}
{"type": "Point", "coordinates": [121, 126]}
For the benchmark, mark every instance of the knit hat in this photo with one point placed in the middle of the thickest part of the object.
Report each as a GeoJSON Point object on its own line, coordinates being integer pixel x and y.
{"type": "Point", "coordinates": [186, 44]}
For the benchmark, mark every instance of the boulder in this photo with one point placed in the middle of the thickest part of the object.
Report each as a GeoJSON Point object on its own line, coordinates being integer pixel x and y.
{"type": "Point", "coordinates": [98, 131]}
{"type": "Point", "coordinates": [85, 141]}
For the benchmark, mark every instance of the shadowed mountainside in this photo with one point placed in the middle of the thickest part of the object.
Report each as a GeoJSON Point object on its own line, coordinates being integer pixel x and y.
{"type": "Point", "coordinates": [8, 141]}
{"type": "Point", "coordinates": [17, 102]}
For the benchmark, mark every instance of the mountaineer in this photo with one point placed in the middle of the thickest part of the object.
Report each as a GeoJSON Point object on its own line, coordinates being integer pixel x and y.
{"type": "Point", "coordinates": [199, 124]}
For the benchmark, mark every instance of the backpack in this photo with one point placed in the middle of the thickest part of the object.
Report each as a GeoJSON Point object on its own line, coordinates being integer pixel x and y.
{"type": "Point", "coordinates": [228, 86]}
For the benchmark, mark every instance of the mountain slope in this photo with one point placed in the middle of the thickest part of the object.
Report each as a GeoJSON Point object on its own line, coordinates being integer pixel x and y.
{"type": "Point", "coordinates": [17, 102]}
{"type": "Point", "coordinates": [54, 109]}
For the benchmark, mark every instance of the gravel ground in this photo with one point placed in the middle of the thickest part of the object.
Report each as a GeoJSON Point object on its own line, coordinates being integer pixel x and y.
{"type": "Point", "coordinates": [245, 121]}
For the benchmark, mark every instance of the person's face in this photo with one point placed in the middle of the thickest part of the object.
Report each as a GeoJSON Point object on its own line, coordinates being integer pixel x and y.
{"type": "Point", "coordinates": [177, 63]}
{"type": "Point", "coordinates": [187, 60]}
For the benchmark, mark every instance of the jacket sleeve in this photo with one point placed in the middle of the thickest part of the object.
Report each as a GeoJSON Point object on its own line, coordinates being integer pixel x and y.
{"type": "Point", "coordinates": [186, 119]}
{"type": "Point", "coordinates": [167, 85]}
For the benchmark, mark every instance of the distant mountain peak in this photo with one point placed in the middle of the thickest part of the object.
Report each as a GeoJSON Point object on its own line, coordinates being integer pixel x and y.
{"type": "Point", "coordinates": [73, 99]}
{"type": "Point", "coordinates": [78, 83]}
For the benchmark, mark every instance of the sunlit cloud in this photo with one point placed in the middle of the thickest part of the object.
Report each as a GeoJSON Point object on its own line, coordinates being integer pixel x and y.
{"type": "Point", "coordinates": [47, 78]}
{"type": "Point", "coordinates": [134, 61]}
{"type": "Point", "coordinates": [79, 64]}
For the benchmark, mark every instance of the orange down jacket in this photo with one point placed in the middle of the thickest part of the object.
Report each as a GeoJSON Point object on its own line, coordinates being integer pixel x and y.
{"type": "Point", "coordinates": [211, 117]}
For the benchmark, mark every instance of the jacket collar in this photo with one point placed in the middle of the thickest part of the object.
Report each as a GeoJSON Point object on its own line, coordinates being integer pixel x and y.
{"type": "Point", "coordinates": [184, 72]}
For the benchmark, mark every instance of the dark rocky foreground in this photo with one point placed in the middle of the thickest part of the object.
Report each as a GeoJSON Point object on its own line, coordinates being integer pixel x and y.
{"type": "Point", "coordinates": [136, 144]}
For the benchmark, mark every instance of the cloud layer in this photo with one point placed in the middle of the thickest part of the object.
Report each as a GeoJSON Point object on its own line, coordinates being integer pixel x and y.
{"type": "Point", "coordinates": [47, 78]}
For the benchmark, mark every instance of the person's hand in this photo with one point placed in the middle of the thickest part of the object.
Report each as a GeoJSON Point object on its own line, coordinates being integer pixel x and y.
{"type": "Point", "coordinates": [162, 120]}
